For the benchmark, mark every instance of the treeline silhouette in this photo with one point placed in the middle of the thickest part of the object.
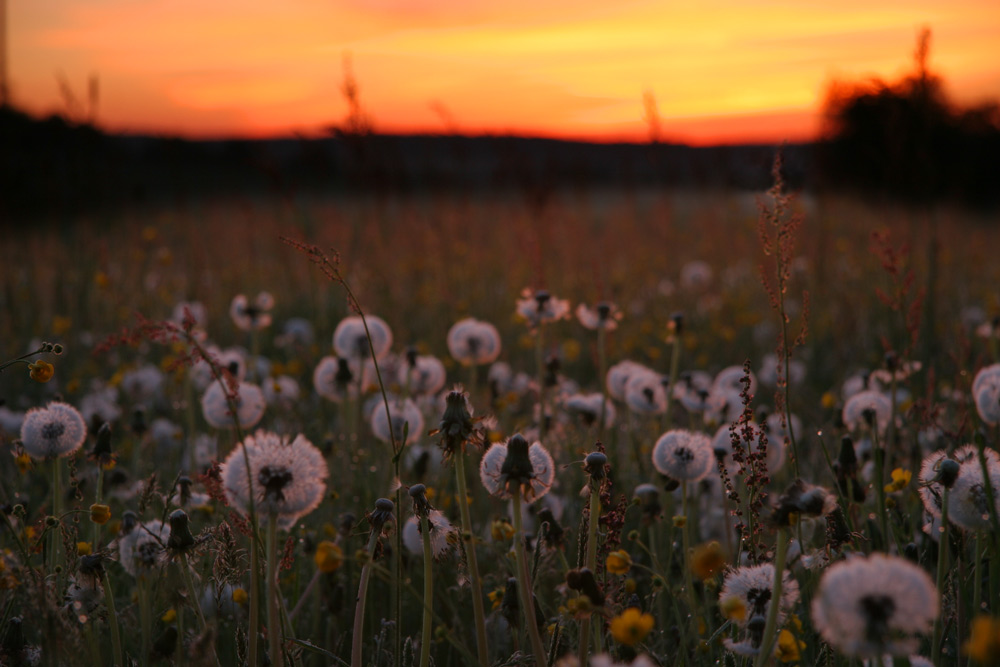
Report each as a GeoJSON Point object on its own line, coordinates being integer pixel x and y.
{"type": "Point", "coordinates": [905, 140]}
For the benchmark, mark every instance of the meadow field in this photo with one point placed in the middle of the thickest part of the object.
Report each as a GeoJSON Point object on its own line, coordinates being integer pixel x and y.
{"type": "Point", "coordinates": [685, 504]}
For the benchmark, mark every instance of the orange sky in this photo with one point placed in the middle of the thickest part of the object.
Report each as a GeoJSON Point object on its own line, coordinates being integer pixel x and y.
{"type": "Point", "coordinates": [720, 70]}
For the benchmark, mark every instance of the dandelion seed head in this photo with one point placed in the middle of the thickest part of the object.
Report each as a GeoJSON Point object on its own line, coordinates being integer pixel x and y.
{"type": "Point", "coordinates": [683, 455]}
{"type": "Point", "coordinates": [541, 307]}
{"type": "Point", "coordinates": [249, 403]}
{"type": "Point", "coordinates": [403, 415]}
{"type": "Point", "coordinates": [252, 315]}
{"type": "Point", "coordinates": [867, 409]}
{"type": "Point", "coordinates": [473, 342]}
{"type": "Point", "coordinates": [441, 534]}
{"type": "Point", "coordinates": [139, 551]}
{"type": "Point", "coordinates": [351, 342]}
{"type": "Point", "coordinates": [869, 606]}
{"type": "Point", "coordinates": [54, 431]}
{"type": "Point", "coordinates": [287, 478]}
{"type": "Point", "coordinates": [645, 393]}
{"type": "Point", "coordinates": [968, 501]}
{"type": "Point", "coordinates": [503, 468]}
{"type": "Point", "coordinates": [425, 375]}
{"type": "Point", "coordinates": [618, 376]}
{"type": "Point", "coordinates": [588, 408]}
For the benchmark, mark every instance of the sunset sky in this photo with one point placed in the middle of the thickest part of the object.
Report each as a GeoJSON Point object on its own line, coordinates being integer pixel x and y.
{"type": "Point", "coordinates": [719, 70]}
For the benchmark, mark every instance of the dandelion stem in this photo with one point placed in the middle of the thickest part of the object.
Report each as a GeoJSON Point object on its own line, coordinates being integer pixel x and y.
{"type": "Point", "coordinates": [540, 372]}
{"type": "Point", "coordinates": [359, 611]}
{"type": "Point", "coordinates": [425, 634]}
{"type": "Point", "coordinates": [55, 539]}
{"type": "Point", "coordinates": [524, 584]}
{"type": "Point", "coordinates": [590, 562]}
{"type": "Point", "coordinates": [254, 603]}
{"type": "Point", "coordinates": [602, 370]}
{"type": "Point", "coordinates": [145, 620]}
{"type": "Point", "coordinates": [675, 358]}
{"type": "Point", "coordinates": [944, 541]}
{"type": "Point", "coordinates": [116, 640]}
{"type": "Point", "coordinates": [686, 545]}
{"type": "Point", "coordinates": [273, 623]}
{"type": "Point", "coordinates": [771, 627]}
{"type": "Point", "coordinates": [469, 541]}
{"type": "Point", "coordinates": [880, 487]}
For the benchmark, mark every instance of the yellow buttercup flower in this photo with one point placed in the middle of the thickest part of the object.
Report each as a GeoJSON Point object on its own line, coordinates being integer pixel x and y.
{"type": "Point", "coordinates": [240, 596]}
{"type": "Point", "coordinates": [900, 478]}
{"type": "Point", "coordinates": [41, 371]}
{"type": "Point", "coordinates": [733, 608]}
{"type": "Point", "coordinates": [789, 648]}
{"type": "Point", "coordinates": [619, 562]}
{"type": "Point", "coordinates": [707, 560]}
{"type": "Point", "coordinates": [496, 597]}
{"type": "Point", "coordinates": [23, 462]}
{"type": "Point", "coordinates": [169, 616]}
{"type": "Point", "coordinates": [328, 557]}
{"type": "Point", "coordinates": [100, 514]}
{"type": "Point", "coordinates": [501, 530]}
{"type": "Point", "coordinates": [84, 549]}
{"type": "Point", "coordinates": [631, 627]}
{"type": "Point", "coordinates": [984, 641]}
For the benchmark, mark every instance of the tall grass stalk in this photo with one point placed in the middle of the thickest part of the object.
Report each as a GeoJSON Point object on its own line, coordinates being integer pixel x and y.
{"type": "Point", "coordinates": [590, 561]}
{"type": "Point", "coordinates": [771, 626]}
{"type": "Point", "coordinates": [469, 543]}
{"type": "Point", "coordinates": [425, 633]}
{"type": "Point", "coordinates": [273, 622]}
{"type": "Point", "coordinates": [359, 610]}
{"type": "Point", "coordinates": [944, 544]}
{"type": "Point", "coordinates": [116, 640]}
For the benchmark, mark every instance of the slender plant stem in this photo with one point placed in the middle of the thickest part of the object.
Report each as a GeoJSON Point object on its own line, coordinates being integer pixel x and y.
{"type": "Point", "coordinates": [590, 562]}
{"type": "Point", "coordinates": [469, 541]}
{"type": "Point", "coordinates": [425, 634]}
{"type": "Point", "coordinates": [145, 620]}
{"type": "Point", "coordinates": [273, 623]}
{"type": "Point", "coordinates": [602, 377]}
{"type": "Point", "coordinates": [771, 627]}
{"type": "Point", "coordinates": [540, 372]}
{"type": "Point", "coordinates": [254, 628]}
{"type": "Point", "coordinates": [880, 487]}
{"type": "Point", "coordinates": [675, 359]}
{"type": "Point", "coordinates": [944, 542]}
{"type": "Point", "coordinates": [359, 610]}
{"type": "Point", "coordinates": [116, 640]}
{"type": "Point", "coordinates": [524, 584]}
{"type": "Point", "coordinates": [686, 562]}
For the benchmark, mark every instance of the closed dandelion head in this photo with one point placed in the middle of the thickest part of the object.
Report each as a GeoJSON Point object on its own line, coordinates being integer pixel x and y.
{"type": "Point", "coordinates": [645, 393]}
{"type": "Point", "coordinates": [424, 375]}
{"type": "Point", "coordinates": [252, 315]}
{"type": "Point", "coordinates": [540, 307]}
{"type": "Point", "coordinates": [249, 402]}
{"type": "Point", "coordinates": [937, 472]}
{"type": "Point", "coordinates": [513, 464]}
{"type": "Point", "coordinates": [867, 409]}
{"type": "Point", "coordinates": [351, 342]}
{"type": "Point", "coordinates": [875, 605]}
{"type": "Point", "coordinates": [802, 500]}
{"type": "Point", "coordinates": [684, 456]}
{"type": "Point", "coordinates": [180, 538]}
{"type": "Point", "coordinates": [472, 342]}
{"type": "Point", "coordinates": [604, 315]}
{"type": "Point", "coordinates": [403, 416]}
{"type": "Point", "coordinates": [381, 519]}
{"type": "Point", "coordinates": [54, 431]}
{"type": "Point", "coordinates": [456, 426]}
{"type": "Point", "coordinates": [287, 479]}
{"type": "Point", "coordinates": [746, 598]}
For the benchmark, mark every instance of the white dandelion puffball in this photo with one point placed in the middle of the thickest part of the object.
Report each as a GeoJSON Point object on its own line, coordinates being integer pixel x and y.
{"type": "Point", "coordinates": [618, 377]}
{"type": "Point", "coordinates": [56, 430]}
{"type": "Point", "coordinates": [249, 402]}
{"type": "Point", "coordinates": [931, 491]}
{"type": "Point", "coordinates": [139, 551]}
{"type": "Point", "coordinates": [499, 474]}
{"type": "Point", "coordinates": [101, 403]}
{"type": "Point", "coordinates": [722, 444]}
{"type": "Point", "coordinates": [540, 307]}
{"type": "Point", "coordinates": [683, 455]}
{"type": "Point", "coordinates": [351, 342]}
{"type": "Point", "coordinates": [731, 378]}
{"type": "Point", "coordinates": [426, 375]}
{"type": "Point", "coordinates": [252, 316]}
{"type": "Point", "coordinates": [473, 342]}
{"type": "Point", "coordinates": [195, 309]}
{"type": "Point", "coordinates": [875, 605]}
{"type": "Point", "coordinates": [142, 384]}
{"type": "Point", "coordinates": [232, 360]}
{"type": "Point", "coordinates": [402, 413]}
{"type": "Point", "coordinates": [604, 315]}
{"type": "Point", "coordinates": [768, 371]}
{"type": "Point", "coordinates": [645, 393]}
{"type": "Point", "coordinates": [868, 408]}
{"type": "Point", "coordinates": [752, 586]}
{"type": "Point", "coordinates": [986, 394]}
{"type": "Point", "coordinates": [287, 478]}
{"type": "Point", "coordinates": [696, 275]}
{"type": "Point", "coordinates": [588, 408]}
{"type": "Point", "coordinates": [440, 531]}
{"type": "Point", "coordinates": [336, 379]}
{"type": "Point", "coordinates": [281, 391]}
{"type": "Point", "coordinates": [968, 502]}
{"type": "Point", "coordinates": [722, 406]}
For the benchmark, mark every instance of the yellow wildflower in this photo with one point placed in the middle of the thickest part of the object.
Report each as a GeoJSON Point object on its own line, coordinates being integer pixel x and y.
{"type": "Point", "coordinates": [240, 596]}
{"type": "Point", "coordinates": [680, 521]}
{"type": "Point", "coordinates": [84, 549]}
{"type": "Point", "coordinates": [100, 514]}
{"type": "Point", "coordinates": [23, 462]}
{"type": "Point", "coordinates": [829, 400]}
{"type": "Point", "coordinates": [619, 562]}
{"type": "Point", "coordinates": [501, 530]}
{"type": "Point", "coordinates": [496, 597]}
{"type": "Point", "coordinates": [631, 627]}
{"type": "Point", "coordinates": [328, 557]}
{"type": "Point", "coordinates": [169, 616]}
{"type": "Point", "coordinates": [733, 608]}
{"type": "Point", "coordinates": [61, 325]}
{"type": "Point", "coordinates": [41, 371]}
{"type": "Point", "coordinates": [101, 279]}
{"type": "Point", "coordinates": [984, 641]}
{"type": "Point", "coordinates": [789, 648]}
{"type": "Point", "coordinates": [900, 478]}
{"type": "Point", "coordinates": [707, 560]}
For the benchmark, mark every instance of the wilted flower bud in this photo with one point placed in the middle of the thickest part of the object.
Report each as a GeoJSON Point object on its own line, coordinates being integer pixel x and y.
{"type": "Point", "coordinates": [456, 423]}
{"type": "Point", "coordinates": [583, 580]}
{"type": "Point", "coordinates": [180, 538]}
{"type": "Point", "coordinates": [595, 465]}
{"type": "Point", "coordinates": [102, 449]}
{"type": "Point", "coordinates": [421, 506]}
{"type": "Point", "coordinates": [382, 515]}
